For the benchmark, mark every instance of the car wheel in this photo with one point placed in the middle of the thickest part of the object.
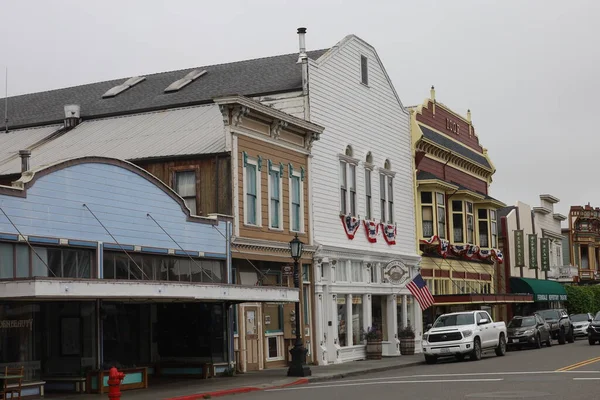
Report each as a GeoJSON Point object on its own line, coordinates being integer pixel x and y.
{"type": "Point", "coordinates": [549, 342]}
{"type": "Point", "coordinates": [476, 353]}
{"type": "Point", "coordinates": [430, 359]}
{"type": "Point", "coordinates": [538, 341]}
{"type": "Point", "coordinates": [591, 341]}
{"type": "Point", "coordinates": [571, 335]}
{"type": "Point", "coordinates": [501, 348]}
{"type": "Point", "coordinates": [561, 336]}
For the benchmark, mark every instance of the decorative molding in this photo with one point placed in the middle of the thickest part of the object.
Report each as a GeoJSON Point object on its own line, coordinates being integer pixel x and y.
{"type": "Point", "coordinates": [433, 149]}
{"type": "Point", "coordinates": [281, 169]}
{"type": "Point", "coordinates": [239, 114]}
{"type": "Point", "coordinates": [225, 113]}
{"type": "Point", "coordinates": [276, 128]}
{"type": "Point", "coordinates": [245, 158]}
{"type": "Point", "coordinates": [302, 173]}
{"type": "Point", "coordinates": [290, 170]}
{"type": "Point", "coordinates": [259, 161]}
{"type": "Point", "coordinates": [260, 245]}
{"type": "Point", "coordinates": [387, 172]}
{"type": "Point", "coordinates": [308, 144]}
{"type": "Point", "coordinates": [369, 166]}
{"type": "Point", "coordinates": [348, 159]}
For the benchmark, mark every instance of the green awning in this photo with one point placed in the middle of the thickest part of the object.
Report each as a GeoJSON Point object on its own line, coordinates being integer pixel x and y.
{"type": "Point", "coordinates": [541, 289]}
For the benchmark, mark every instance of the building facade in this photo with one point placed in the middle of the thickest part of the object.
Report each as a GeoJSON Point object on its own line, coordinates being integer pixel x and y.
{"type": "Point", "coordinates": [532, 242]}
{"type": "Point", "coordinates": [102, 264]}
{"type": "Point", "coordinates": [457, 219]}
{"type": "Point", "coordinates": [583, 234]}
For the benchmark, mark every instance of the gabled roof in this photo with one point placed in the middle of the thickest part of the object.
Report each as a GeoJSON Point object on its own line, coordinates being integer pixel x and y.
{"type": "Point", "coordinates": [260, 76]}
{"type": "Point", "coordinates": [454, 147]}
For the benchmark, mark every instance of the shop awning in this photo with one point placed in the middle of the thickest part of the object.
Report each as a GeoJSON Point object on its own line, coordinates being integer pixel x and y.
{"type": "Point", "coordinates": [475, 298]}
{"type": "Point", "coordinates": [541, 289]}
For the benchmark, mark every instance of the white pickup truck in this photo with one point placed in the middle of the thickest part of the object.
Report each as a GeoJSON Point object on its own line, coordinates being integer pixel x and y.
{"type": "Point", "coordinates": [464, 333]}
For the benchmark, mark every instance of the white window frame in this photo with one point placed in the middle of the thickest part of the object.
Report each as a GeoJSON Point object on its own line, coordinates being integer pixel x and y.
{"type": "Point", "coordinates": [345, 164]}
{"type": "Point", "coordinates": [386, 198]}
{"type": "Point", "coordinates": [361, 277]}
{"type": "Point", "coordinates": [368, 193]}
{"type": "Point", "coordinates": [276, 169]}
{"type": "Point", "coordinates": [342, 264]}
{"type": "Point", "coordinates": [253, 161]}
{"type": "Point", "coordinates": [493, 232]}
{"type": "Point", "coordinates": [280, 344]}
{"type": "Point", "coordinates": [298, 175]}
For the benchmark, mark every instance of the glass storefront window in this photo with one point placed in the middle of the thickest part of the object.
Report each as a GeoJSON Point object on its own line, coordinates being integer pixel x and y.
{"type": "Point", "coordinates": [21, 338]}
{"type": "Point", "coordinates": [357, 320]}
{"type": "Point", "coordinates": [341, 317]}
{"type": "Point", "coordinates": [6, 261]}
{"type": "Point", "coordinates": [22, 261]}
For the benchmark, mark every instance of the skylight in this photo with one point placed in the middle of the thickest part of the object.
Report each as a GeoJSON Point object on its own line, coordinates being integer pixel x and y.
{"type": "Point", "coordinates": [186, 80]}
{"type": "Point", "coordinates": [131, 82]}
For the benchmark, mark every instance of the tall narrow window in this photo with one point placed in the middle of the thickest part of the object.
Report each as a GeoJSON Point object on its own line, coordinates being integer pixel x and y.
{"type": "Point", "coordinates": [427, 214]}
{"type": "Point", "coordinates": [458, 221]}
{"type": "Point", "coordinates": [275, 212]}
{"type": "Point", "coordinates": [296, 199]}
{"type": "Point", "coordinates": [364, 70]}
{"type": "Point", "coordinates": [494, 231]}
{"type": "Point", "coordinates": [470, 222]}
{"type": "Point", "coordinates": [441, 215]}
{"type": "Point", "coordinates": [251, 195]}
{"type": "Point", "coordinates": [352, 182]}
{"type": "Point", "coordinates": [185, 186]}
{"type": "Point", "coordinates": [382, 202]}
{"type": "Point", "coordinates": [482, 215]}
{"type": "Point", "coordinates": [343, 188]}
{"type": "Point", "coordinates": [390, 199]}
{"type": "Point", "coordinates": [368, 199]}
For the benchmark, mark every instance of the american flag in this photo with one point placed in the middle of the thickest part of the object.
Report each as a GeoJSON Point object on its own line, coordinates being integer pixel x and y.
{"type": "Point", "coordinates": [419, 289]}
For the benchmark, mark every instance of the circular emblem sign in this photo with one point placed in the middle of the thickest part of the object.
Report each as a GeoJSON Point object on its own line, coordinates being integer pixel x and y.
{"type": "Point", "coordinates": [396, 272]}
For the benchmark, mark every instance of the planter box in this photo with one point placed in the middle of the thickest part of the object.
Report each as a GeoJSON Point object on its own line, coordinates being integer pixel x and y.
{"type": "Point", "coordinates": [135, 378]}
{"type": "Point", "coordinates": [407, 347]}
{"type": "Point", "coordinates": [374, 350]}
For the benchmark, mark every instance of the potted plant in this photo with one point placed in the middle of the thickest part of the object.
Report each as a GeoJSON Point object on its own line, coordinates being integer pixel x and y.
{"type": "Point", "coordinates": [373, 338]}
{"type": "Point", "coordinates": [407, 341]}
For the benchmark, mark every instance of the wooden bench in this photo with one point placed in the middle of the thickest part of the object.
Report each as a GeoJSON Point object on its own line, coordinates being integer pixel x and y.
{"type": "Point", "coordinates": [33, 389]}
{"type": "Point", "coordinates": [61, 383]}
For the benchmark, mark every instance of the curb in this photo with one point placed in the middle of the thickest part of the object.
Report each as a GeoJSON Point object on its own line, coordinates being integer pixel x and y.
{"type": "Point", "coordinates": [301, 381]}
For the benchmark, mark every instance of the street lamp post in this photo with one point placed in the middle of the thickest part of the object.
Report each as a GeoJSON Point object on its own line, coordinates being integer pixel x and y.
{"type": "Point", "coordinates": [298, 365]}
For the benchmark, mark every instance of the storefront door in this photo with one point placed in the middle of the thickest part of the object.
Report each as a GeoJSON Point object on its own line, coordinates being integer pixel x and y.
{"type": "Point", "coordinates": [252, 338]}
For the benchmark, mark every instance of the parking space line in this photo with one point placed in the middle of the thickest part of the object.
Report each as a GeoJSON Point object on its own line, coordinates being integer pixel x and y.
{"type": "Point", "coordinates": [579, 364]}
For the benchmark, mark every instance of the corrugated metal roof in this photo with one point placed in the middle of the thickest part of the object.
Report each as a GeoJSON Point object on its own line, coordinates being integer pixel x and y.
{"type": "Point", "coordinates": [175, 132]}
{"type": "Point", "coordinates": [21, 139]}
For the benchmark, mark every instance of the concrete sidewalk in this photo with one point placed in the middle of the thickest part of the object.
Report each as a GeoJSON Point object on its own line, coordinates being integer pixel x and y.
{"type": "Point", "coordinates": [192, 389]}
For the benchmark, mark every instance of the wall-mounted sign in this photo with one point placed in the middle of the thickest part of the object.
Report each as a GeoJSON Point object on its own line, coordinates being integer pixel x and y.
{"type": "Point", "coordinates": [519, 249]}
{"type": "Point", "coordinates": [551, 297]}
{"type": "Point", "coordinates": [287, 270]}
{"type": "Point", "coordinates": [16, 323]}
{"type": "Point", "coordinates": [396, 272]}
{"type": "Point", "coordinates": [545, 253]}
{"type": "Point", "coordinates": [452, 126]}
{"type": "Point", "coordinates": [533, 257]}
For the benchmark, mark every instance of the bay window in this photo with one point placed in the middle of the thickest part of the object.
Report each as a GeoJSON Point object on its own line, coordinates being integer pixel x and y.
{"type": "Point", "coordinates": [482, 215]}
{"type": "Point", "coordinates": [457, 221]}
{"type": "Point", "coordinates": [494, 229]}
{"type": "Point", "coordinates": [470, 222]}
{"type": "Point", "coordinates": [441, 215]}
{"type": "Point", "coordinates": [427, 214]}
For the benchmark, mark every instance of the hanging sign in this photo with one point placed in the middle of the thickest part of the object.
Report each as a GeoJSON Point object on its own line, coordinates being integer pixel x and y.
{"type": "Point", "coordinates": [519, 249]}
{"type": "Point", "coordinates": [545, 251]}
{"type": "Point", "coordinates": [533, 256]}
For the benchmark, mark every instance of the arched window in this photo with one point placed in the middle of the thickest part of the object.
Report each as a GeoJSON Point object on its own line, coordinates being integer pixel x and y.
{"type": "Point", "coordinates": [386, 193]}
{"type": "Point", "coordinates": [369, 158]}
{"type": "Point", "coordinates": [387, 165]}
{"type": "Point", "coordinates": [349, 151]}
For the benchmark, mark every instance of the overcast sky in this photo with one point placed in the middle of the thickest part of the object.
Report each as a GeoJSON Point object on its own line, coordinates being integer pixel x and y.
{"type": "Point", "coordinates": [527, 69]}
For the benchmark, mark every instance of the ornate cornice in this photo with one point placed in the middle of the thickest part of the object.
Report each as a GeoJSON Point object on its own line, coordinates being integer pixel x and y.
{"type": "Point", "coordinates": [437, 151]}
{"type": "Point", "coordinates": [270, 246]}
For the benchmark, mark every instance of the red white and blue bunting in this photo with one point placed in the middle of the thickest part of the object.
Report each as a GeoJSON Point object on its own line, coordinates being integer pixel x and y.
{"type": "Point", "coordinates": [389, 233]}
{"type": "Point", "coordinates": [467, 251]}
{"type": "Point", "coordinates": [371, 229]}
{"type": "Point", "coordinates": [351, 225]}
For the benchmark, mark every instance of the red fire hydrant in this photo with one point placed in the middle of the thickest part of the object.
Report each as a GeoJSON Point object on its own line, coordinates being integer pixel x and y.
{"type": "Point", "coordinates": [114, 383]}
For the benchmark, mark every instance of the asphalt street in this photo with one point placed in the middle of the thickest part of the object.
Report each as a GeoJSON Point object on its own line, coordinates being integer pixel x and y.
{"type": "Point", "coordinates": [560, 372]}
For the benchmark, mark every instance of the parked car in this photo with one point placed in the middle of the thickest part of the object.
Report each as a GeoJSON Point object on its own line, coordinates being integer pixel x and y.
{"type": "Point", "coordinates": [594, 329]}
{"type": "Point", "coordinates": [463, 333]}
{"type": "Point", "coordinates": [561, 327]}
{"type": "Point", "coordinates": [528, 331]}
{"type": "Point", "coordinates": [581, 323]}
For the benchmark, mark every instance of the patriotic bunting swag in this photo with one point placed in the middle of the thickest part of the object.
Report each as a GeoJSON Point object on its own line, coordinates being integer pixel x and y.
{"type": "Point", "coordinates": [389, 233]}
{"type": "Point", "coordinates": [351, 225]}
{"type": "Point", "coordinates": [371, 229]}
{"type": "Point", "coordinates": [467, 251]}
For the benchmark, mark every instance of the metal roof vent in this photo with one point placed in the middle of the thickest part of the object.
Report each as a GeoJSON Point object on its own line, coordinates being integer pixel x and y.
{"type": "Point", "coordinates": [186, 80]}
{"type": "Point", "coordinates": [129, 83]}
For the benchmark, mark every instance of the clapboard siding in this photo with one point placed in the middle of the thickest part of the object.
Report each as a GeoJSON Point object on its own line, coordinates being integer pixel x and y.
{"type": "Point", "coordinates": [291, 103]}
{"type": "Point", "coordinates": [370, 119]}
{"type": "Point", "coordinates": [277, 154]}
{"type": "Point", "coordinates": [121, 199]}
